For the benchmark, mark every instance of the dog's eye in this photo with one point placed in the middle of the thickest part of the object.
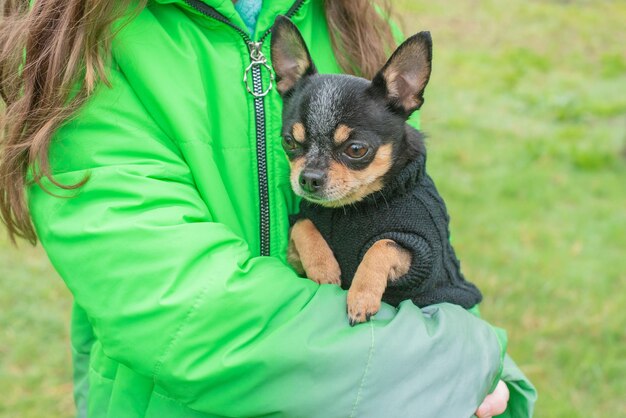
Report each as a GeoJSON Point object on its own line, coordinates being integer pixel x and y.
{"type": "Point", "coordinates": [356, 150]}
{"type": "Point", "coordinates": [290, 144]}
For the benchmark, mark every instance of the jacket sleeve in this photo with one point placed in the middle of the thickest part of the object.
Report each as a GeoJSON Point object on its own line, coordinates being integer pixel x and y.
{"type": "Point", "coordinates": [178, 298]}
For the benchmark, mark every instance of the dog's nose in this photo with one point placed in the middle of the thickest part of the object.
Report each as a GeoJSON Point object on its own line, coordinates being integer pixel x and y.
{"type": "Point", "coordinates": [312, 181]}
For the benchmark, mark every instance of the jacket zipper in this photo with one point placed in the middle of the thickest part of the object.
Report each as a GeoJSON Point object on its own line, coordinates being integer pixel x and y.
{"type": "Point", "coordinates": [257, 61]}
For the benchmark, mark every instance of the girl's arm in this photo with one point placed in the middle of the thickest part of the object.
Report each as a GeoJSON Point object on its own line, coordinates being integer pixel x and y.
{"type": "Point", "coordinates": [179, 299]}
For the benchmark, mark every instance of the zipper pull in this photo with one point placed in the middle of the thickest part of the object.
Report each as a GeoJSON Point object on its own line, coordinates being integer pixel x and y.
{"type": "Point", "coordinates": [257, 63]}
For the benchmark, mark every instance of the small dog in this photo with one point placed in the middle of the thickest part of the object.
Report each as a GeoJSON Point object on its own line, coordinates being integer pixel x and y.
{"type": "Point", "coordinates": [371, 219]}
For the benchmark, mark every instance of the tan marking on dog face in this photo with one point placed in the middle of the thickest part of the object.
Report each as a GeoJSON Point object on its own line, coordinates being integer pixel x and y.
{"type": "Point", "coordinates": [342, 133]}
{"type": "Point", "coordinates": [296, 165]}
{"type": "Point", "coordinates": [347, 186]}
{"type": "Point", "coordinates": [298, 132]}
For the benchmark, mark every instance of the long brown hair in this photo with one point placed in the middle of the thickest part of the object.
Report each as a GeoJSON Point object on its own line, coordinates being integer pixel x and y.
{"type": "Point", "coordinates": [360, 34]}
{"type": "Point", "coordinates": [53, 54]}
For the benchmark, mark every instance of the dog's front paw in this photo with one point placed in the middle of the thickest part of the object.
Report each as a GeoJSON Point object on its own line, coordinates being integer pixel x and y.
{"type": "Point", "coordinates": [362, 305]}
{"type": "Point", "coordinates": [324, 270]}
{"type": "Point", "coordinates": [293, 258]}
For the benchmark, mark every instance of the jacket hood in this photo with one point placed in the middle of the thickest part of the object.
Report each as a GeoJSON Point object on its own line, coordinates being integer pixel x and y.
{"type": "Point", "coordinates": [269, 11]}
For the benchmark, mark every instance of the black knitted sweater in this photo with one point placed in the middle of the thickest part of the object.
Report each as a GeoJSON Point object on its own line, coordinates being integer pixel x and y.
{"type": "Point", "coordinates": [409, 211]}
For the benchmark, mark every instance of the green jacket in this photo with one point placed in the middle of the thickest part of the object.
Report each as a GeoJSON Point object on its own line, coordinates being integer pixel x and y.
{"type": "Point", "coordinates": [175, 249]}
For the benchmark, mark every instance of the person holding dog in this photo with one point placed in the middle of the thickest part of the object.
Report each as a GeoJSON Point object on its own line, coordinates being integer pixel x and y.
{"type": "Point", "coordinates": [142, 149]}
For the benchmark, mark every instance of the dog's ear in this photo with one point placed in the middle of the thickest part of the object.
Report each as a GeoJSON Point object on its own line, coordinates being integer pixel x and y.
{"type": "Point", "coordinates": [290, 57]}
{"type": "Point", "coordinates": [404, 77]}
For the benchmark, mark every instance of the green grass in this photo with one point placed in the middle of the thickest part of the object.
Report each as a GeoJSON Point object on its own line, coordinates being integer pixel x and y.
{"type": "Point", "coordinates": [35, 372]}
{"type": "Point", "coordinates": [526, 116]}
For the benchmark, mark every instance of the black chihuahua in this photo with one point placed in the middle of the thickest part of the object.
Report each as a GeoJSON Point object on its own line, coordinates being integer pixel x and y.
{"type": "Point", "coordinates": [371, 219]}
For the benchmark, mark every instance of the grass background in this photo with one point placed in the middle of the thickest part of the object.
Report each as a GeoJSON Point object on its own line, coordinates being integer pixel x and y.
{"type": "Point", "coordinates": [526, 114]}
